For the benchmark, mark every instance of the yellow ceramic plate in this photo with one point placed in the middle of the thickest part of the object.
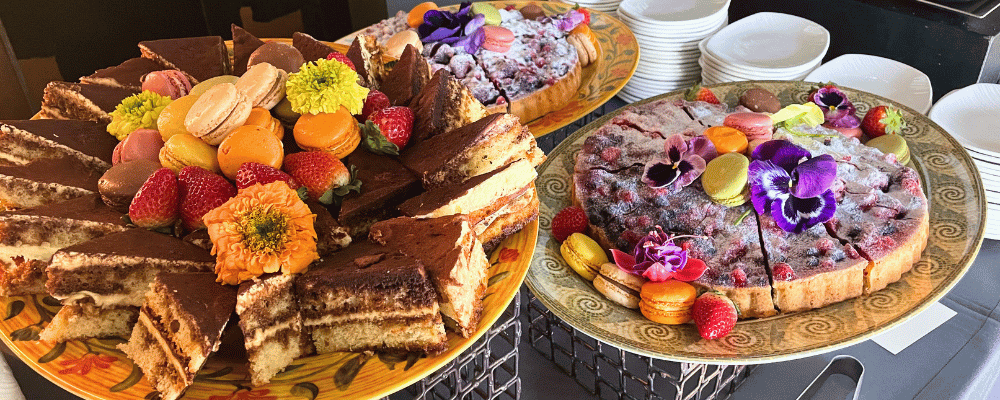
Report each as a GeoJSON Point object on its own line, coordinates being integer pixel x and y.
{"type": "Point", "coordinates": [601, 80]}
{"type": "Point", "coordinates": [957, 219]}
{"type": "Point", "coordinates": [95, 369]}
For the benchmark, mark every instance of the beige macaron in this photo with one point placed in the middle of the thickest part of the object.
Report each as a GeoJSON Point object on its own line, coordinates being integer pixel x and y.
{"type": "Point", "coordinates": [263, 84]}
{"type": "Point", "coordinates": [217, 112]}
{"type": "Point", "coordinates": [619, 286]}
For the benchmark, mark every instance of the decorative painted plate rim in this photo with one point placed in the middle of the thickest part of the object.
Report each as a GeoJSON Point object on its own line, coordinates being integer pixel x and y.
{"type": "Point", "coordinates": [600, 81]}
{"type": "Point", "coordinates": [957, 222]}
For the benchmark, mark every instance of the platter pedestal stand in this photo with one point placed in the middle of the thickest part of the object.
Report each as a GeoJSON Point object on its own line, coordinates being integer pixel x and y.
{"type": "Point", "coordinates": [608, 372]}
{"type": "Point", "coordinates": [485, 371]}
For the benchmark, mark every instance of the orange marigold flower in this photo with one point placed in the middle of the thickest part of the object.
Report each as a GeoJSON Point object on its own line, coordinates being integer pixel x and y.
{"type": "Point", "coordinates": [265, 228]}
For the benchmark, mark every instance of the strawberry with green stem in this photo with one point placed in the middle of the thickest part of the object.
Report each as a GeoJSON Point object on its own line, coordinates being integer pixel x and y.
{"type": "Point", "coordinates": [324, 176]}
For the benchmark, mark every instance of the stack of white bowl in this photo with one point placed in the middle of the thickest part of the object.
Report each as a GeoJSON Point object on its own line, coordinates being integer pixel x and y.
{"type": "Point", "coordinates": [608, 6]}
{"type": "Point", "coordinates": [970, 115]}
{"type": "Point", "coordinates": [763, 46]}
{"type": "Point", "coordinates": [668, 32]}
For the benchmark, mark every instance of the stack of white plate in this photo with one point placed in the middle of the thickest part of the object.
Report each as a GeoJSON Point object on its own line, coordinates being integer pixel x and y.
{"type": "Point", "coordinates": [763, 46]}
{"type": "Point", "coordinates": [970, 115]}
{"type": "Point", "coordinates": [607, 6]}
{"type": "Point", "coordinates": [887, 78]}
{"type": "Point", "coordinates": [668, 32]}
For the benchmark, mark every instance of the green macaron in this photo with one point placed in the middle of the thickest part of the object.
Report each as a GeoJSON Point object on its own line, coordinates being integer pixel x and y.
{"type": "Point", "coordinates": [489, 11]}
{"type": "Point", "coordinates": [894, 144]}
{"type": "Point", "coordinates": [725, 179]}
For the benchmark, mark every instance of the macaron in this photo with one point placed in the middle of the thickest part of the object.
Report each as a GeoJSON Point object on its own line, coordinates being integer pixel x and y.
{"type": "Point", "coordinates": [249, 143]}
{"type": "Point", "coordinates": [397, 43]}
{"type": "Point", "coordinates": [726, 139]}
{"type": "Point", "coordinates": [619, 286]}
{"type": "Point", "coordinates": [263, 85]}
{"type": "Point", "coordinates": [142, 144]}
{"type": "Point", "coordinates": [171, 119]}
{"type": "Point", "coordinates": [337, 132]}
{"type": "Point", "coordinates": [415, 17]}
{"type": "Point", "coordinates": [855, 132]}
{"type": "Point", "coordinates": [753, 125]}
{"type": "Point", "coordinates": [487, 10]}
{"type": "Point", "coordinates": [204, 85]}
{"type": "Point", "coordinates": [262, 118]}
{"type": "Point", "coordinates": [760, 100]}
{"type": "Point", "coordinates": [217, 112]}
{"type": "Point", "coordinates": [281, 55]}
{"type": "Point", "coordinates": [583, 255]}
{"type": "Point", "coordinates": [725, 179]}
{"type": "Point", "coordinates": [183, 150]}
{"type": "Point", "coordinates": [121, 182]}
{"type": "Point", "coordinates": [283, 112]}
{"type": "Point", "coordinates": [894, 144]}
{"type": "Point", "coordinates": [532, 11]}
{"type": "Point", "coordinates": [668, 302]}
{"type": "Point", "coordinates": [497, 38]}
{"type": "Point", "coordinates": [169, 82]}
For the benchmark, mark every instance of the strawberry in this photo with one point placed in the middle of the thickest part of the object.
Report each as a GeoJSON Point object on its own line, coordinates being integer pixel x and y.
{"type": "Point", "coordinates": [881, 120]}
{"type": "Point", "coordinates": [156, 203]}
{"type": "Point", "coordinates": [567, 222]}
{"type": "Point", "coordinates": [200, 192]}
{"type": "Point", "coordinates": [388, 130]}
{"type": "Point", "coordinates": [321, 173]}
{"type": "Point", "coordinates": [714, 315]}
{"type": "Point", "coordinates": [698, 93]}
{"type": "Point", "coordinates": [375, 101]}
{"type": "Point", "coordinates": [342, 58]}
{"type": "Point", "coordinates": [251, 173]}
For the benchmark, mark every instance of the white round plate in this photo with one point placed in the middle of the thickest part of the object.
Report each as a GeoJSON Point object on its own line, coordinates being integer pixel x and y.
{"type": "Point", "coordinates": [669, 36]}
{"type": "Point", "coordinates": [743, 76]}
{"type": "Point", "coordinates": [763, 73]}
{"type": "Point", "coordinates": [770, 40]}
{"type": "Point", "coordinates": [674, 11]}
{"type": "Point", "coordinates": [878, 75]}
{"type": "Point", "coordinates": [982, 155]}
{"type": "Point", "coordinates": [971, 115]}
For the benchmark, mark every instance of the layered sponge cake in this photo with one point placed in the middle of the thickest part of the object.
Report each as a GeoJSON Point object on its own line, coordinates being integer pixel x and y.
{"type": "Point", "coordinates": [88, 141]}
{"type": "Point", "coordinates": [180, 325]}
{"type": "Point", "coordinates": [82, 101]}
{"type": "Point", "coordinates": [272, 325]}
{"type": "Point", "coordinates": [44, 181]}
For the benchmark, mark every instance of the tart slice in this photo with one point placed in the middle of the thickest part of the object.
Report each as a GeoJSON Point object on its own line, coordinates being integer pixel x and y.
{"type": "Point", "coordinates": [199, 58]}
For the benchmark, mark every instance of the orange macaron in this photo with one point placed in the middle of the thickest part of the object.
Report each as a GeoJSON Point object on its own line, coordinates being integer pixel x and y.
{"type": "Point", "coordinates": [337, 132]}
{"type": "Point", "coordinates": [667, 302]}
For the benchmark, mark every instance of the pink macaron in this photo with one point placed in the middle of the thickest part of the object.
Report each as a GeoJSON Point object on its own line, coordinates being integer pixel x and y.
{"type": "Point", "coordinates": [142, 144]}
{"type": "Point", "coordinates": [497, 38]}
{"type": "Point", "coordinates": [753, 125]}
{"type": "Point", "coordinates": [854, 132]}
{"type": "Point", "coordinates": [171, 83]}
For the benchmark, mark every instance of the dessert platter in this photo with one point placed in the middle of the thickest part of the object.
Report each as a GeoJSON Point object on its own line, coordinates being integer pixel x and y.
{"type": "Point", "coordinates": [254, 219]}
{"type": "Point", "coordinates": [610, 55]}
{"type": "Point", "coordinates": [890, 231]}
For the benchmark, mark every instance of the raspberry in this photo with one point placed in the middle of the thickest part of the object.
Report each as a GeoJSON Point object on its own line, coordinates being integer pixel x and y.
{"type": "Point", "coordinates": [342, 58]}
{"type": "Point", "coordinates": [626, 196]}
{"type": "Point", "coordinates": [847, 158]}
{"type": "Point", "coordinates": [891, 158]}
{"type": "Point", "coordinates": [611, 154]}
{"type": "Point", "coordinates": [824, 245]}
{"type": "Point", "coordinates": [686, 246]}
{"type": "Point", "coordinates": [567, 222]}
{"type": "Point", "coordinates": [644, 221]}
{"type": "Point", "coordinates": [739, 277]}
{"type": "Point", "coordinates": [885, 213]}
{"type": "Point", "coordinates": [827, 264]}
{"type": "Point", "coordinates": [911, 185]}
{"type": "Point", "coordinates": [782, 272]}
{"type": "Point", "coordinates": [851, 252]}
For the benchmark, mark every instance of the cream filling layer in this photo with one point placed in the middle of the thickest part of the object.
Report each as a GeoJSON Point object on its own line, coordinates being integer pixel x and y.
{"type": "Point", "coordinates": [367, 316]}
{"type": "Point", "coordinates": [101, 300]}
{"type": "Point", "coordinates": [259, 335]}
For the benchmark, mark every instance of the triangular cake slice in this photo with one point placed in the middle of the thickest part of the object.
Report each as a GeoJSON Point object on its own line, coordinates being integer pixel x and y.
{"type": "Point", "coordinates": [45, 180]}
{"type": "Point", "coordinates": [407, 77]}
{"type": "Point", "coordinates": [29, 237]}
{"type": "Point", "coordinates": [244, 44]}
{"type": "Point", "coordinates": [366, 55]}
{"type": "Point", "coordinates": [180, 325]}
{"type": "Point", "coordinates": [310, 48]}
{"type": "Point", "coordinates": [86, 320]}
{"type": "Point", "coordinates": [370, 297]}
{"type": "Point", "coordinates": [125, 75]}
{"type": "Point", "coordinates": [199, 58]}
{"type": "Point", "coordinates": [26, 140]}
{"type": "Point", "coordinates": [453, 257]}
{"type": "Point", "coordinates": [83, 101]}
{"type": "Point", "coordinates": [117, 269]}
{"type": "Point", "coordinates": [272, 325]}
{"type": "Point", "coordinates": [442, 105]}
{"type": "Point", "coordinates": [474, 149]}
{"type": "Point", "coordinates": [386, 184]}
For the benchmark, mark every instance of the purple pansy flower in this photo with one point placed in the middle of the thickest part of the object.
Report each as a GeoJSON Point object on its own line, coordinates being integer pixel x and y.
{"type": "Point", "coordinates": [794, 191]}
{"type": "Point", "coordinates": [834, 103]}
{"type": "Point", "coordinates": [446, 26]}
{"type": "Point", "coordinates": [658, 259]}
{"type": "Point", "coordinates": [684, 163]}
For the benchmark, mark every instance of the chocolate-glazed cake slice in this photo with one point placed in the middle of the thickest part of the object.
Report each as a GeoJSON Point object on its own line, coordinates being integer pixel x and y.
{"type": "Point", "coordinates": [45, 180]}
{"type": "Point", "coordinates": [366, 55]}
{"type": "Point", "coordinates": [244, 44]}
{"type": "Point", "coordinates": [117, 269]}
{"type": "Point", "coordinates": [87, 320]}
{"type": "Point", "coordinates": [83, 101]}
{"type": "Point", "coordinates": [442, 105]}
{"type": "Point", "coordinates": [370, 297]}
{"type": "Point", "coordinates": [407, 77]}
{"type": "Point", "coordinates": [125, 75]}
{"type": "Point", "coordinates": [453, 257]}
{"type": "Point", "coordinates": [385, 184]}
{"type": "Point", "coordinates": [180, 325]}
{"type": "Point", "coordinates": [272, 325]}
{"type": "Point", "coordinates": [26, 140]}
{"type": "Point", "coordinates": [310, 48]}
{"type": "Point", "coordinates": [198, 57]}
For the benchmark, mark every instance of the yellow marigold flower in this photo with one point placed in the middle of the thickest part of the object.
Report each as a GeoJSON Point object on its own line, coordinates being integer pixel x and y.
{"type": "Point", "coordinates": [264, 229]}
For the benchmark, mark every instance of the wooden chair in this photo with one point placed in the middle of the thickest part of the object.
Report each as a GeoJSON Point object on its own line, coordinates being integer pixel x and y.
{"type": "Point", "coordinates": [14, 100]}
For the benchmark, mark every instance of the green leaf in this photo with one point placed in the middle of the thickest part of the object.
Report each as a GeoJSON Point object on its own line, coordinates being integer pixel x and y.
{"type": "Point", "coordinates": [308, 390]}
{"type": "Point", "coordinates": [51, 301]}
{"type": "Point", "coordinates": [497, 278]}
{"type": "Point", "coordinates": [28, 333]}
{"type": "Point", "coordinates": [222, 372]}
{"type": "Point", "coordinates": [353, 186]}
{"type": "Point", "coordinates": [53, 354]}
{"type": "Point", "coordinates": [375, 141]}
{"type": "Point", "coordinates": [14, 308]}
{"type": "Point", "coordinates": [346, 373]}
{"type": "Point", "coordinates": [130, 381]}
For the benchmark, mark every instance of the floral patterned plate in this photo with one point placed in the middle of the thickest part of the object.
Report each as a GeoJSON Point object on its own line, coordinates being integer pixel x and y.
{"type": "Point", "coordinates": [957, 220]}
{"type": "Point", "coordinates": [600, 81]}
{"type": "Point", "coordinates": [95, 369]}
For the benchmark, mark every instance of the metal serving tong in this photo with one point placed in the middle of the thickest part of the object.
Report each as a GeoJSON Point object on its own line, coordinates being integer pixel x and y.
{"type": "Point", "coordinates": [844, 365]}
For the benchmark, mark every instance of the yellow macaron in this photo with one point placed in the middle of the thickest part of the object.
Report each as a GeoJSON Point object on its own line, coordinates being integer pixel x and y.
{"type": "Point", "coordinates": [725, 179]}
{"type": "Point", "coordinates": [583, 255]}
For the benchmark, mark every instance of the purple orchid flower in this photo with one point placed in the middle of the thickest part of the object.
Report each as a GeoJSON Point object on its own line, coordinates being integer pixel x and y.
{"type": "Point", "coordinates": [658, 259]}
{"type": "Point", "coordinates": [834, 103]}
{"type": "Point", "coordinates": [684, 163]}
{"type": "Point", "coordinates": [791, 185]}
